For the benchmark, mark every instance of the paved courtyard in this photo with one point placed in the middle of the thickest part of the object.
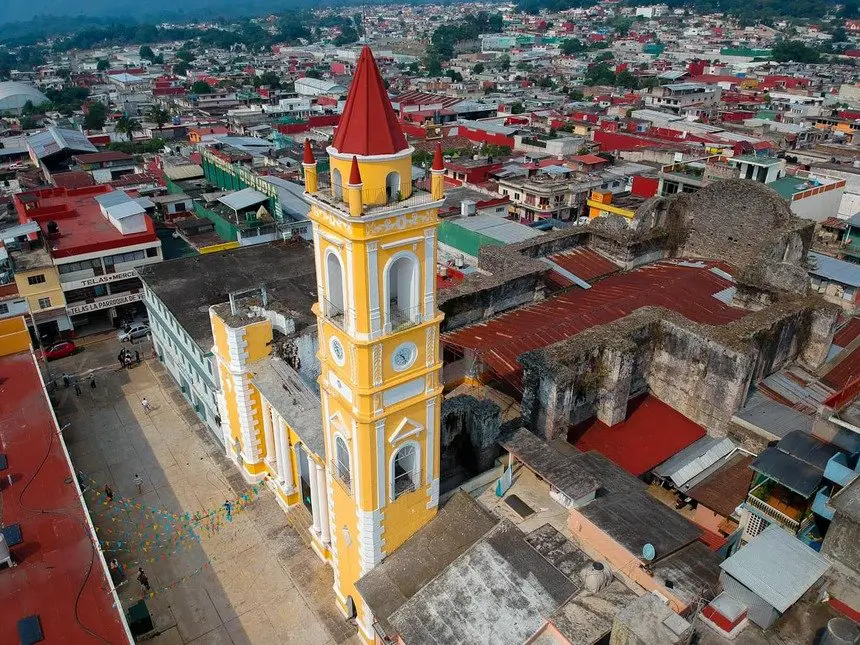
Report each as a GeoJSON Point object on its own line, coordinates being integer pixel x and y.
{"type": "Point", "coordinates": [252, 580]}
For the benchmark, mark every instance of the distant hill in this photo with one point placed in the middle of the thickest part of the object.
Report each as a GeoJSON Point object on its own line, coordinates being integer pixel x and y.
{"type": "Point", "coordinates": [25, 10]}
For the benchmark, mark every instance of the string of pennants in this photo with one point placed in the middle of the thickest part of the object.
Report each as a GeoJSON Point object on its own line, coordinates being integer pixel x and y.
{"type": "Point", "coordinates": [159, 534]}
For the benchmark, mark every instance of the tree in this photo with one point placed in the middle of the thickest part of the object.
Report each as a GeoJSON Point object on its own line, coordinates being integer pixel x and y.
{"type": "Point", "coordinates": [181, 69]}
{"type": "Point", "coordinates": [625, 79]}
{"type": "Point", "coordinates": [103, 65]}
{"type": "Point", "coordinates": [572, 46]}
{"type": "Point", "coordinates": [455, 76]}
{"type": "Point", "coordinates": [313, 73]}
{"type": "Point", "coordinates": [159, 116]}
{"type": "Point", "coordinates": [185, 55]}
{"type": "Point", "coordinates": [517, 108]}
{"type": "Point", "coordinates": [434, 66]}
{"type": "Point", "coordinates": [794, 50]}
{"type": "Point", "coordinates": [504, 62]}
{"type": "Point", "coordinates": [600, 74]}
{"type": "Point", "coordinates": [347, 35]}
{"type": "Point", "coordinates": [96, 116]}
{"type": "Point", "coordinates": [478, 68]}
{"type": "Point", "coordinates": [127, 126]}
{"type": "Point", "coordinates": [146, 52]}
{"type": "Point", "coordinates": [201, 87]}
{"type": "Point", "coordinates": [546, 82]}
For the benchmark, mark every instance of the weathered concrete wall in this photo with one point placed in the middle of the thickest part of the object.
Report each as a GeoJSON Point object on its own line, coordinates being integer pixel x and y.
{"type": "Point", "coordinates": [703, 372]}
{"type": "Point", "coordinates": [479, 419]}
{"type": "Point", "coordinates": [840, 543]}
{"type": "Point", "coordinates": [300, 352]}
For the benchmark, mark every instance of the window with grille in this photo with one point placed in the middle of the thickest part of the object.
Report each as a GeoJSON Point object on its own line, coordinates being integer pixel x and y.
{"type": "Point", "coordinates": [44, 303]}
{"type": "Point", "coordinates": [36, 279]}
{"type": "Point", "coordinates": [405, 471]}
{"type": "Point", "coordinates": [341, 461]}
{"type": "Point", "coordinates": [755, 525]}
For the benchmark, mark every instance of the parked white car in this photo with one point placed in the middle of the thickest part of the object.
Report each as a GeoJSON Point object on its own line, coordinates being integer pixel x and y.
{"type": "Point", "coordinates": [132, 332]}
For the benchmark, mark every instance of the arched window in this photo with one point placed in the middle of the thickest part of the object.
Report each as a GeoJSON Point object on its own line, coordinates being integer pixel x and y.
{"type": "Point", "coordinates": [392, 186]}
{"type": "Point", "coordinates": [336, 183]}
{"type": "Point", "coordinates": [341, 460]}
{"type": "Point", "coordinates": [405, 470]}
{"type": "Point", "coordinates": [334, 300]}
{"type": "Point", "coordinates": [401, 289]}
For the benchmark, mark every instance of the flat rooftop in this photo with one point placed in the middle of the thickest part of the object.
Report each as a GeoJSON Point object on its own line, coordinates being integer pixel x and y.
{"type": "Point", "coordinates": [60, 577]}
{"type": "Point", "coordinates": [82, 227]}
{"type": "Point", "coordinates": [189, 286]}
{"type": "Point", "coordinates": [687, 288]}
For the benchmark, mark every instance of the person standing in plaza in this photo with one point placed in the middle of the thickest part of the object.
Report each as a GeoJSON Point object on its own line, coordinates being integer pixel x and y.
{"type": "Point", "coordinates": [137, 357]}
{"type": "Point", "coordinates": [146, 407]}
{"type": "Point", "coordinates": [93, 381]}
{"type": "Point", "coordinates": [77, 386]}
{"type": "Point", "coordinates": [138, 481]}
{"type": "Point", "coordinates": [108, 493]}
{"type": "Point", "coordinates": [142, 579]}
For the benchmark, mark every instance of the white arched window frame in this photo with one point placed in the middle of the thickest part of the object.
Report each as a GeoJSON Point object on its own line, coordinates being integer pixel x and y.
{"type": "Point", "coordinates": [336, 183]}
{"type": "Point", "coordinates": [342, 465]}
{"type": "Point", "coordinates": [404, 469]}
{"type": "Point", "coordinates": [401, 280]}
{"type": "Point", "coordinates": [335, 285]}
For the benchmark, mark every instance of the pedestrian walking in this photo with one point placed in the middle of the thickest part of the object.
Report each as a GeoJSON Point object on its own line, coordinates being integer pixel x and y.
{"type": "Point", "coordinates": [229, 508]}
{"type": "Point", "coordinates": [82, 481]}
{"type": "Point", "coordinates": [77, 387]}
{"type": "Point", "coordinates": [66, 381]}
{"type": "Point", "coordinates": [146, 407]}
{"type": "Point", "coordinates": [142, 579]}
{"type": "Point", "coordinates": [137, 357]}
{"type": "Point", "coordinates": [108, 493]}
{"type": "Point", "coordinates": [138, 481]}
{"type": "Point", "coordinates": [121, 358]}
{"type": "Point", "coordinates": [93, 381]}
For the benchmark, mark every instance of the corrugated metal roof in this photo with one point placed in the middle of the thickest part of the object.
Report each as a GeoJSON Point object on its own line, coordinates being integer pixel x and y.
{"type": "Point", "coordinates": [584, 263]}
{"type": "Point", "coordinates": [694, 459]}
{"type": "Point", "coordinates": [835, 270]}
{"type": "Point", "coordinates": [498, 228]}
{"type": "Point", "coordinates": [18, 230]}
{"type": "Point", "coordinates": [685, 288]}
{"type": "Point", "coordinates": [807, 448]}
{"type": "Point", "coordinates": [773, 417]}
{"type": "Point", "coordinates": [244, 198]}
{"type": "Point", "coordinates": [185, 171]}
{"type": "Point", "coordinates": [777, 567]}
{"type": "Point", "coordinates": [793, 473]}
{"type": "Point", "coordinates": [54, 139]}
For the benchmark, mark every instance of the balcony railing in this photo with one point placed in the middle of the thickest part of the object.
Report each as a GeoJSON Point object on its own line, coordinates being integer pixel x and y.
{"type": "Point", "coordinates": [402, 318]}
{"type": "Point", "coordinates": [374, 200]}
{"type": "Point", "coordinates": [769, 511]}
{"type": "Point", "coordinates": [335, 314]}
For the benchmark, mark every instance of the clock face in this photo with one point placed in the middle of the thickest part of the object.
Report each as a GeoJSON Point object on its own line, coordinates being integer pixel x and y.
{"type": "Point", "coordinates": [337, 350]}
{"type": "Point", "coordinates": [403, 356]}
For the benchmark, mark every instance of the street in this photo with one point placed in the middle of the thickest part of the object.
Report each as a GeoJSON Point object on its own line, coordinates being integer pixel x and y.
{"type": "Point", "coordinates": [241, 576]}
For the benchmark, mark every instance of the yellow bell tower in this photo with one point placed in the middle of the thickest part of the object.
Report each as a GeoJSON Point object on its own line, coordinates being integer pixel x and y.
{"type": "Point", "coordinates": [375, 248]}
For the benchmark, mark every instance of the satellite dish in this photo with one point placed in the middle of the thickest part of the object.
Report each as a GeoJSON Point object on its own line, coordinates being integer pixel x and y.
{"type": "Point", "coordinates": [648, 552]}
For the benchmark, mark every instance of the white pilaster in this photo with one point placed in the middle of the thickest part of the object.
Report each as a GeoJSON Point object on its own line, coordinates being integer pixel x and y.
{"type": "Point", "coordinates": [430, 450]}
{"type": "Point", "coordinates": [271, 456]}
{"type": "Point", "coordinates": [381, 497]}
{"type": "Point", "coordinates": [373, 289]}
{"type": "Point", "coordinates": [429, 273]}
{"type": "Point", "coordinates": [322, 494]}
{"type": "Point", "coordinates": [315, 495]}
{"type": "Point", "coordinates": [285, 466]}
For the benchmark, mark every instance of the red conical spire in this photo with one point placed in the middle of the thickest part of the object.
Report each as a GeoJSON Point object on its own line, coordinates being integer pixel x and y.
{"type": "Point", "coordinates": [438, 164]}
{"type": "Point", "coordinates": [368, 125]}
{"type": "Point", "coordinates": [309, 153]}
{"type": "Point", "coordinates": [354, 173]}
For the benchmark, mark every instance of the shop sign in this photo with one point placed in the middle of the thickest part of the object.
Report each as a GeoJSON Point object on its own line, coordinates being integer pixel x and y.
{"type": "Point", "coordinates": [103, 303]}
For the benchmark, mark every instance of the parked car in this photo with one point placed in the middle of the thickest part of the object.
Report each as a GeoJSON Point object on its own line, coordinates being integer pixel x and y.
{"type": "Point", "coordinates": [60, 350]}
{"type": "Point", "coordinates": [132, 332]}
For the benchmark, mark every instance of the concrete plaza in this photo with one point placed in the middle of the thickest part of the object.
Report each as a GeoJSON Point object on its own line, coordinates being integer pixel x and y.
{"type": "Point", "coordinates": [253, 580]}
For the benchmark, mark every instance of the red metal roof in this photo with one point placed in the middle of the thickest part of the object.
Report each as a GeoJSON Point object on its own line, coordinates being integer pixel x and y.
{"type": "Point", "coordinates": [102, 157]}
{"type": "Point", "coordinates": [368, 125]}
{"type": "Point", "coordinates": [651, 433]}
{"type": "Point", "coordinates": [846, 335]}
{"type": "Point", "coordinates": [73, 179]}
{"type": "Point", "coordinates": [686, 288]}
{"type": "Point", "coordinates": [845, 372]}
{"type": "Point", "coordinates": [582, 262]}
{"type": "Point", "coordinates": [59, 577]}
